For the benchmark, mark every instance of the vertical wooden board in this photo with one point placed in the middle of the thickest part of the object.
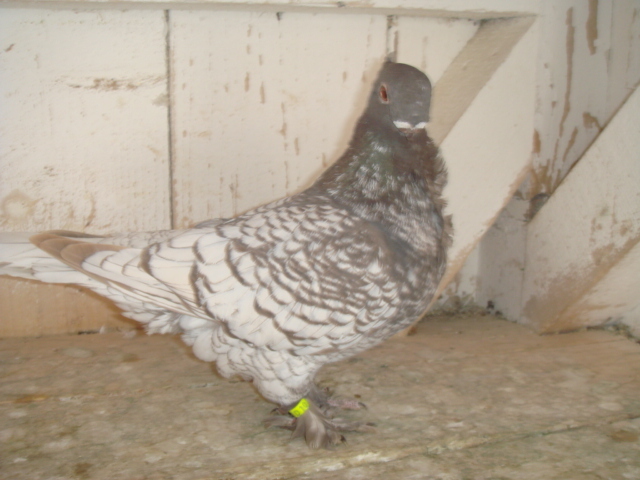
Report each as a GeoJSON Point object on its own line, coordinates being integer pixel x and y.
{"type": "Point", "coordinates": [501, 265]}
{"type": "Point", "coordinates": [488, 151]}
{"type": "Point", "coordinates": [430, 44]}
{"type": "Point", "coordinates": [624, 55]}
{"type": "Point", "coordinates": [83, 144]}
{"type": "Point", "coordinates": [588, 226]}
{"type": "Point", "coordinates": [573, 75]}
{"type": "Point", "coordinates": [84, 120]}
{"type": "Point", "coordinates": [262, 103]}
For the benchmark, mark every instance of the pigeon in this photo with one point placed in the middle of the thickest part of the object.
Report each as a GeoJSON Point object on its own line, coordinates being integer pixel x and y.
{"type": "Point", "coordinates": [275, 293]}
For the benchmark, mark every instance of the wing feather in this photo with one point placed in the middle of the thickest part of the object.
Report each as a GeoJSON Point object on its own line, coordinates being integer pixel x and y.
{"type": "Point", "coordinates": [283, 281]}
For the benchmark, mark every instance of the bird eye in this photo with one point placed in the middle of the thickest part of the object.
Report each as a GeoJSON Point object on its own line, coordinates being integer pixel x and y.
{"type": "Point", "coordinates": [384, 98]}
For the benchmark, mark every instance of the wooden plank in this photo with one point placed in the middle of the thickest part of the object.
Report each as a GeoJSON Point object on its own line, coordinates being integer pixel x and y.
{"type": "Point", "coordinates": [262, 103]}
{"type": "Point", "coordinates": [83, 143]}
{"type": "Point", "coordinates": [471, 70]}
{"type": "Point", "coordinates": [590, 90]}
{"type": "Point", "coordinates": [31, 309]}
{"type": "Point", "coordinates": [583, 244]}
{"type": "Point", "coordinates": [487, 142]}
{"type": "Point", "coordinates": [575, 49]}
{"type": "Point", "coordinates": [475, 9]}
{"type": "Point", "coordinates": [431, 44]}
{"type": "Point", "coordinates": [502, 260]}
{"type": "Point", "coordinates": [84, 123]}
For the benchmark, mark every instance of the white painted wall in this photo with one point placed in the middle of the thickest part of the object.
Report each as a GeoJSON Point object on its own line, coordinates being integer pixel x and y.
{"type": "Point", "coordinates": [148, 118]}
{"type": "Point", "coordinates": [261, 104]}
{"type": "Point", "coordinates": [145, 119]}
{"type": "Point", "coordinates": [83, 143]}
{"type": "Point", "coordinates": [83, 130]}
{"type": "Point", "coordinates": [588, 64]}
{"type": "Point", "coordinates": [582, 261]}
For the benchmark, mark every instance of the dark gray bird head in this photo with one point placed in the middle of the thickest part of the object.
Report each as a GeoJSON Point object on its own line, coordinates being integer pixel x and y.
{"type": "Point", "coordinates": [390, 147]}
{"type": "Point", "coordinates": [401, 96]}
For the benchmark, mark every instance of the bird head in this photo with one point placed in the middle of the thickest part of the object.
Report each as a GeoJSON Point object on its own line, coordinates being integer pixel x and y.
{"type": "Point", "coordinates": [401, 96]}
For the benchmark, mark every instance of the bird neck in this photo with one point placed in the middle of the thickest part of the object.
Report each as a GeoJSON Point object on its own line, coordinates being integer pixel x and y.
{"type": "Point", "coordinates": [386, 178]}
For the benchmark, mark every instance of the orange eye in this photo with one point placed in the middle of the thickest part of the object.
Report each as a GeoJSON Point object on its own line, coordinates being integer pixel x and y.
{"type": "Point", "coordinates": [384, 98]}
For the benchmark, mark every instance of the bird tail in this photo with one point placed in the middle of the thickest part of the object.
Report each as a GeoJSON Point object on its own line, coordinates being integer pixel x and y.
{"type": "Point", "coordinates": [16, 254]}
{"type": "Point", "coordinates": [110, 266]}
{"type": "Point", "coordinates": [19, 257]}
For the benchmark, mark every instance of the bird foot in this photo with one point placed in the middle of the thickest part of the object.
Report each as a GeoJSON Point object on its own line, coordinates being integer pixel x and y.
{"type": "Point", "coordinates": [326, 402]}
{"type": "Point", "coordinates": [315, 427]}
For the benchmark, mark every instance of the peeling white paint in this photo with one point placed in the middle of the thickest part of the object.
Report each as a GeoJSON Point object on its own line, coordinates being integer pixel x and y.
{"type": "Point", "coordinates": [588, 64]}
{"type": "Point", "coordinates": [79, 115]}
{"type": "Point", "coordinates": [261, 103]}
{"type": "Point", "coordinates": [582, 259]}
{"type": "Point", "coordinates": [488, 151]}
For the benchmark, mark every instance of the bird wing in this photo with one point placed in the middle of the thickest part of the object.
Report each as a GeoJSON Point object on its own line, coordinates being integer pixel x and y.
{"type": "Point", "coordinates": [113, 267]}
{"type": "Point", "coordinates": [306, 276]}
{"type": "Point", "coordinates": [113, 271]}
{"type": "Point", "coordinates": [301, 275]}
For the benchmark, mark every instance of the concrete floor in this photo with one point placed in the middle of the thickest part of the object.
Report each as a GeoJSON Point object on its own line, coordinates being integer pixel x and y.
{"type": "Point", "coordinates": [465, 398]}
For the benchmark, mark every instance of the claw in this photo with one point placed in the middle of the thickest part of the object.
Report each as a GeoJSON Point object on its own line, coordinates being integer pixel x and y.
{"type": "Point", "coordinates": [317, 430]}
{"type": "Point", "coordinates": [315, 427]}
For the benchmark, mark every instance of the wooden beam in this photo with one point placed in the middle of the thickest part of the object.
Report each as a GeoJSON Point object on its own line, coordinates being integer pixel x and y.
{"type": "Point", "coordinates": [486, 133]}
{"type": "Point", "coordinates": [471, 9]}
{"type": "Point", "coordinates": [470, 71]}
{"type": "Point", "coordinates": [583, 259]}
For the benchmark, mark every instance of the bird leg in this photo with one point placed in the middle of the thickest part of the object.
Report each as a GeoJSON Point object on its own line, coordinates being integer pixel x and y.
{"type": "Point", "coordinates": [310, 418]}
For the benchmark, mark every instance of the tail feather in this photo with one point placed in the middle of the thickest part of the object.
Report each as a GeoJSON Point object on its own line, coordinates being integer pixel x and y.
{"type": "Point", "coordinates": [112, 271]}
{"type": "Point", "coordinates": [21, 258]}
{"type": "Point", "coordinates": [38, 257]}
{"type": "Point", "coordinates": [68, 250]}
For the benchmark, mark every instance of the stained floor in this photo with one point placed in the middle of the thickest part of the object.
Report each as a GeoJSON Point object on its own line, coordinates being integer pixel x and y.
{"type": "Point", "coordinates": [465, 398]}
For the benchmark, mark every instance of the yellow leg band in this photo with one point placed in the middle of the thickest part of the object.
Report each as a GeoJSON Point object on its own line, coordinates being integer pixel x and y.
{"type": "Point", "coordinates": [301, 407]}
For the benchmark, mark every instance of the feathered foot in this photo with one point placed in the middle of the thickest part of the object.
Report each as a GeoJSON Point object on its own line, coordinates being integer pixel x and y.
{"type": "Point", "coordinates": [308, 421]}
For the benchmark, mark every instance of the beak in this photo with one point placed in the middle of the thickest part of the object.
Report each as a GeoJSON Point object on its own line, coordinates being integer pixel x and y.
{"type": "Point", "coordinates": [409, 130]}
